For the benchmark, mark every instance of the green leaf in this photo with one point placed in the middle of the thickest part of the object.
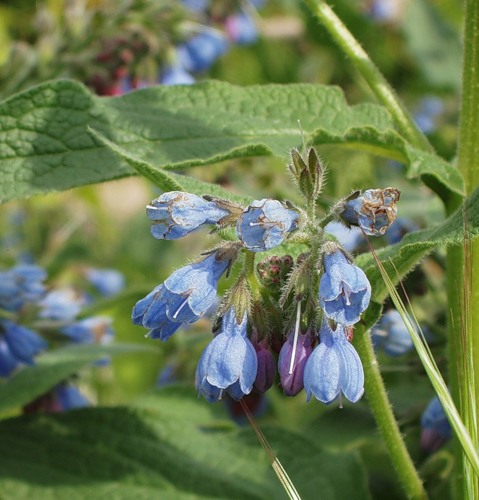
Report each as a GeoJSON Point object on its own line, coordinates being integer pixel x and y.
{"type": "Point", "coordinates": [169, 181]}
{"type": "Point", "coordinates": [401, 258]}
{"type": "Point", "coordinates": [52, 368]}
{"type": "Point", "coordinates": [46, 146]}
{"type": "Point", "coordinates": [168, 445]}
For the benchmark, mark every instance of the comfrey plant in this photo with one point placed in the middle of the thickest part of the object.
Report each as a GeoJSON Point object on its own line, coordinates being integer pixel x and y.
{"type": "Point", "coordinates": [299, 311]}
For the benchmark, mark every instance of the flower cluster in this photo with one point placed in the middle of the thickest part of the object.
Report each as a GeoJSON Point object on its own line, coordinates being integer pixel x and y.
{"type": "Point", "coordinates": [30, 314]}
{"type": "Point", "coordinates": [194, 35]}
{"type": "Point", "coordinates": [287, 317]}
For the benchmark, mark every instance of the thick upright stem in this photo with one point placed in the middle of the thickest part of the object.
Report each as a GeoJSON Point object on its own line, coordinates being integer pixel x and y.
{"type": "Point", "coordinates": [464, 321]}
{"type": "Point", "coordinates": [385, 420]}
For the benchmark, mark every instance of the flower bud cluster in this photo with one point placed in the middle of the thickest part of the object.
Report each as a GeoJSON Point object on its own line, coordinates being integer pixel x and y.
{"type": "Point", "coordinates": [287, 318]}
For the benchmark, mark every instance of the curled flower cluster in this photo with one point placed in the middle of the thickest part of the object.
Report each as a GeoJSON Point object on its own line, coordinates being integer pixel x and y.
{"type": "Point", "coordinates": [303, 335]}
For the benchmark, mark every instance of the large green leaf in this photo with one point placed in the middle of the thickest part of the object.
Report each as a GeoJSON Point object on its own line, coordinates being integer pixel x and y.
{"type": "Point", "coordinates": [46, 146]}
{"type": "Point", "coordinates": [52, 368]}
{"type": "Point", "coordinates": [400, 258]}
{"type": "Point", "coordinates": [169, 445]}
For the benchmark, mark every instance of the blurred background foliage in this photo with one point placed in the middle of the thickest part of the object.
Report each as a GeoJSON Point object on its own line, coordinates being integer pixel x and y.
{"type": "Point", "coordinates": [415, 44]}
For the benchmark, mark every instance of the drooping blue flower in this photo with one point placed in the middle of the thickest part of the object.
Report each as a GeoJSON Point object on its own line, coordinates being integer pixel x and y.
{"type": "Point", "coordinates": [385, 11]}
{"type": "Point", "coordinates": [436, 429]}
{"type": "Point", "coordinates": [344, 290]}
{"type": "Point", "coordinates": [201, 51]}
{"type": "Point", "coordinates": [391, 335]}
{"type": "Point", "coordinates": [21, 284]}
{"type": "Point", "coordinates": [399, 228]}
{"type": "Point", "coordinates": [30, 280]}
{"type": "Point", "coordinates": [62, 304]}
{"type": "Point", "coordinates": [107, 281]}
{"type": "Point", "coordinates": [292, 383]}
{"type": "Point", "coordinates": [334, 367]}
{"type": "Point", "coordinates": [23, 343]}
{"type": "Point", "coordinates": [191, 290]}
{"type": "Point", "coordinates": [264, 224]}
{"type": "Point", "coordinates": [350, 238]}
{"type": "Point", "coordinates": [175, 74]}
{"type": "Point", "coordinates": [150, 312]}
{"type": "Point", "coordinates": [183, 298]}
{"type": "Point", "coordinates": [70, 398]}
{"type": "Point", "coordinates": [373, 211]}
{"type": "Point", "coordinates": [176, 214]}
{"type": "Point", "coordinates": [96, 329]}
{"type": "Point", "coordinates": [10, 299]}
{"type": "Point", "coordinates": [427, 112]}
{"type": "Point", "coordinates": [229, 361]}
{"type": "Point", "coordinates": [168, 375]}
{"type": "Point", "coordinates": [8, 362]}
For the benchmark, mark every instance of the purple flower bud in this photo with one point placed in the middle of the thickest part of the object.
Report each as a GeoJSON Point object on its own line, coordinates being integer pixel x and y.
{"type": "Point", "coordinates": [183, 298]}
{"type": "Point", "coordinates": [202, 50]}
{"type": "Point", "coordinates": [292, 383]}
{"type": "Point", "coordinates": [266, 373]}
{"type": "Point", "coordinates": [390, 333]}
{"type": "Point", "coordinates": [228, 362]}
{"type": "Point", "coordinates": [24, 344]}
{"type": "Point", "coordinates": [344, 290]}
{"type": "Point", "coordinates": [373, 211]}
{"type": "Point", "coordinates": [176, 214]}
{"type": "Point", "coordinates": [436, 429]}
{"type": "Point", "coordinates": [265, 224]}
{"type": "Point", "coordinates": [334, 367]}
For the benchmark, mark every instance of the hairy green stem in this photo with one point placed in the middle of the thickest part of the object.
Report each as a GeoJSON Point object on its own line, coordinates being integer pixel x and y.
{"type": "Point", "coordinates": [360, 59]}
{"type": "Point", "coordinates": [250, 275]}
{"type": "Point", "coordinates": [463, 264]}
{"type": "Point", "coordinates": [374, 385]}
{"type": "Point", "coordinates": [385, 420]}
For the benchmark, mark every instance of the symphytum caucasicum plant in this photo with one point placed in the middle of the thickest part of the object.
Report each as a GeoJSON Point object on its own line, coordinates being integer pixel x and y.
{"type": "Point", "coordinates": [313, 280]}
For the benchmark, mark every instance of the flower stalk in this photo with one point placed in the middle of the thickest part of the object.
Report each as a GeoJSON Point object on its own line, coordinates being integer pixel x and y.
{"type": "Point", "coordinates": [384, 416]}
